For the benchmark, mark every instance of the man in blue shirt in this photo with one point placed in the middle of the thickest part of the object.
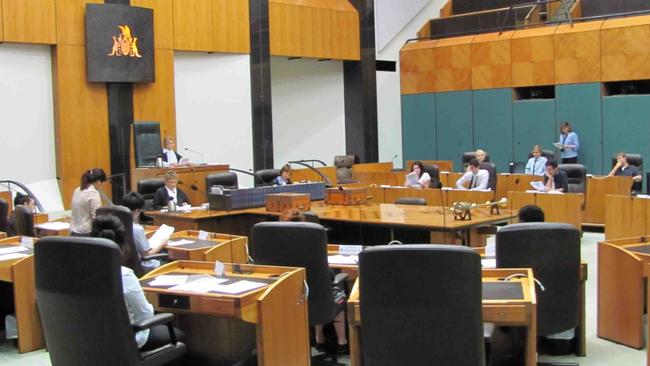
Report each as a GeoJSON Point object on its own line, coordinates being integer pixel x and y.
{"type": "Point", "coordinates": [537, 164]}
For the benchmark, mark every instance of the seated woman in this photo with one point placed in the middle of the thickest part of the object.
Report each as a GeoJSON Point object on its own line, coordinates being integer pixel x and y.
{"type": "Point", "coordinates": [424, 179]}
{"type": "Point", "coordinates": [110, 227]}
{"type": "Point", "coordinates": [283, 179]}
{"type": "Point", "coordinates": [135, 202]}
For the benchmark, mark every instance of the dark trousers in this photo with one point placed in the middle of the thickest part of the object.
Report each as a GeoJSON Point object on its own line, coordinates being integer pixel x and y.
{"type": "Point", "coordinates": [159, 336]}
{"type": "Point", "coordinates": [570, 160]}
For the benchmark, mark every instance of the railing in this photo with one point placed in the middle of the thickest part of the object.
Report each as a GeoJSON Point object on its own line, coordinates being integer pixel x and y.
{"type": "Point", "coordinates": [8, 183]}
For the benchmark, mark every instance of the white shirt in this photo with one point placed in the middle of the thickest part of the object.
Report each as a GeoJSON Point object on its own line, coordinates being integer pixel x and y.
{"type": "Point", "coordinates": [536, 166]}
{"type": "Point", "coordinates": [84, 204]}
{"type": "Point", "coordinates": [172, 194]}
{"type": "Point", "coordinates": [136, 303]}
{"type": "Point", "coordinates": [475, 182]}
{"type": "Point", "coordinates": [171, 157]}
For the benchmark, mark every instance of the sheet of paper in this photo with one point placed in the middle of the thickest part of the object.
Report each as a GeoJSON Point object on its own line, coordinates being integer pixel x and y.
{"type": "Point", "coordinates": [350, 249]}
{"type": "Point", "coordinates": [13, 249]}
{"type": "Point", "coordinates": [558, 145]}
{"type": "Point", "coordinates": [54, 226]}
{"type": "Point", "coordinates": [7, 257]}
{"type": "Point", "coordinates": [203, 235]}
{"type": "Point", "coordinates": [489, 263]}
{"type": "Point", "coordinates": [538, 185]}
{"type": "Point", "coordinates": [202, 285]}
{"type": "Point", "coordinates": [343, 259]}
{"type": "Point", "coordinates": [163, 233]}
{"type": "Point", "coordinates": [491, 249]}
{"type": "Point", "coordinates": [169, 280]}
{"type": "Point", "coordinates": [175, 243]}
{"type": "Point", "coordinates": [239, 287]}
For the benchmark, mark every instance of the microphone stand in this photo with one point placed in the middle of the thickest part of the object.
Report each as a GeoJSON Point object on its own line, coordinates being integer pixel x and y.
{"type": "Point", "coordinates": [198, 153]}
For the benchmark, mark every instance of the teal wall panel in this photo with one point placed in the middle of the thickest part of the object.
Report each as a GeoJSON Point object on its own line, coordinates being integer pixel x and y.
{"type": "Point", "coordinates": [454, 125]}
{"type": "Point", "coordinates": [493, 125]}
{"type": "Point", "coordinates": [533, 124]}
{"type": "Point", "coordinates": [419, 127]}
{"type": "Point", "coordinates": [580, 105]}
{"type": "Point", "coordinates": [626, 126]}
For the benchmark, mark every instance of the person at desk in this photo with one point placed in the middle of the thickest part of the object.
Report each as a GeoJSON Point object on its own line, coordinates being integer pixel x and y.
{"type": "Point", "coordinates": [475, 178]}
{"type": "Point", "coordinates": [169, 155]}
{"type": "Point", "coordinates": [555, 180]}
{"type": "Point", "coordinates": [86, 199]}
{"type": "Point", "coordinates": [25, 201]}
{"type": "Point", "coordinates": [569, 144]}
{"type": "Point", "coordinates": [170, 192]}
{"type": "Point", "coordinates": [623, 168]}
{"type": "Point", "coordinates": [139, 309]}
{"type": "Point", "coordinates": [284, 178]}
{"type": "Point", "coordinates": [424, 179]}
{"type": "Point", "coordinates": [135, 202]}
{"type": "Point", "coordinates": [537, 164]}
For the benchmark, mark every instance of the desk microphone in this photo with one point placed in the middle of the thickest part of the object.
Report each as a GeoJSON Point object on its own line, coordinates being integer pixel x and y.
{"type": "Point", "coordinates": [195, 188]}
{"type": "Point", "coordinates": [196, 152]}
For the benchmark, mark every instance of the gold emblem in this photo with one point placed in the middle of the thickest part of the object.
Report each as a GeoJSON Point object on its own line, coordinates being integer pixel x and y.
{"type": "Point", "coordinates": [125, 44]}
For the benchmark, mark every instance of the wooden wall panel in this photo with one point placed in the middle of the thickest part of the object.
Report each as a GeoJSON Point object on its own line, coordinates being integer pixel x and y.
{"type": "Point", "coordinates": [70, 21]}
{"type": "Point", "coordinates": [156, 102]}
{"type": "Point", "coordinates": [625, 46]}
{"type": "Point", "coordinates": [1, 23]}
{"type": "Point", "coordinates": [533, 57]}
{"type": "Point", "coordinates": [577, 53]}
{"type": "Point", "coordinates": [81, 119]}
{"type": "Point", "coordinates": [162, 21]}
{"type": "Point", "coordinates": [29, 21]}
{"type": "Point", "coordinates": [452, 57]}
{"type": "Point", "coordinates": [193, 25]}
{"type": "Point", "coordinates": [231, 26]}
{"type": "Point", "coordinates": [417, 72]}
{"type": "Point", "coordinates": [491, 61]}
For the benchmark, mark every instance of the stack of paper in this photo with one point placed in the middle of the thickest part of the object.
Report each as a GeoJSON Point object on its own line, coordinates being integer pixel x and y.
{"type": "Point", "coordinates": [176, 243]}
{"type": "Point", "coordinates": [202, 285]}
{"type": "Point", "coordinates": [343, 259]}
{"type": "Point", "coordinates": [54, 226]}
{"type": "Point", "coordinates": [239, 287]}
{"type": "Point", "coordinates": [169, 280]}
{"type": "Point", "coordinates": [13, 249]}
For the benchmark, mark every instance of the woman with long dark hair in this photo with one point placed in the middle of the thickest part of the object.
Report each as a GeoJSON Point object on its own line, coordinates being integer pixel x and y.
{"type": "Point", "coordinates": [85, 201]}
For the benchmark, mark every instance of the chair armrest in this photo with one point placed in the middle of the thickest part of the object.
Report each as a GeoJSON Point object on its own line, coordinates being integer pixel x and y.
{"type": "Point", "coordinates": [158, 319]}
{"type": "Point", "coordinates": [340, 278]}
{"type": "Point", "coordinates": [159, 256]}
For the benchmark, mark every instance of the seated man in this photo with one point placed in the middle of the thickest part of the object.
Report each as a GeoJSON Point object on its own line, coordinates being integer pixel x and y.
{"type": "Point", "coordinates": [623, 168]}
{"type": "Point", "coordinates": [474, 178]}
{"type": "Point", "coordinates": [555, 180]}
{"type": "Point", "coordinates": [536, 165]}
{"type": "Point", "coordinates": [170, 193]}
{"type": "Point", "coordinates": [135, 202]}
{"type": "Point", "coordinates": [531, 213]}
{"type": "Point", "coordinates": [20, 200]}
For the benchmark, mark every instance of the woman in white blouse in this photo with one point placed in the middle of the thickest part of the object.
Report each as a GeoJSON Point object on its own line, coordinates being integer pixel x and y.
{"type": "Point", "coordinates": [424, 179]}
{"type": "Point", "coordinates": [85, 201]}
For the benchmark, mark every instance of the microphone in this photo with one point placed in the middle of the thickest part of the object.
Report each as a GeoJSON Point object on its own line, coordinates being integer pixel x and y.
{"type": "Point", "coordinates": [195, 188]}
{"type": "Point", "coordinates": [196, 152]}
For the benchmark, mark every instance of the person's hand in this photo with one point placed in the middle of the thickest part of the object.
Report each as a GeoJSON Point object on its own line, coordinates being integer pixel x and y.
{"type": "Point", "coordinates": [618, 165]}
{"type": "Point", "coordinates": [637, 179]}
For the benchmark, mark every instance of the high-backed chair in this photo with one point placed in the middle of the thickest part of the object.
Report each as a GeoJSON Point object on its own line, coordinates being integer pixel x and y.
{"type": "Point", "coordinates": [407, 320]}
{"type": "Point", "coordinates": [552, 250]}
{"type": "Point", "coordinates": [23, 221]}
{"type": "Point", "coordinates": [82, 308]}
{"type": "Point", "coordinates": [492, 169]}
{"type": "Point", "coordinates": [147, 188]}
{"type": "Point", "coordinates": [417, 201]}
{"type": "Point", "coordinates": [434, 173]}
{"type": "Point", "coordinates": [637, 161]}
{"type": "Point", "coordinates": [4, 211]}
{"type": "Point", "coordinates": [343, 164]}
{"type": "Point", "coordinates": [467, 156]}
{"type": "Point", "coordinates": [265, 177]}
{"type": "Point", "coordinates": [227, 180]}
{"type": "Point", "coordinates": [577, 177]}
{"type": "Point", "coordinates": [146, 143]}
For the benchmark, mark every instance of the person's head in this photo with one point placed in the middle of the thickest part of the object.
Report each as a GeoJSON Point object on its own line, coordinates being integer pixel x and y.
{"type": "Point", "coordinates": [169, 143]}
{"type": "Point", "coordinates": [285, 172]}
{"type": "Point", "coordinates": [621, 158]}
{"type": "Point", "coordinates": [537, 151]}
{"type": "Point", "coordinates": [417, 168]}
{"type": "Point", "coordinates": [24, 200]}
{"type": "Point", "coordinates": [134, 202]}
{"type": "Point", "coordinates": [551, 167]}
{"type": "Point", "coordinates": [531, 213]}
{"type": "Point", "coordinates": [565, 128]}
{"type": "Point", "coordinates": [110, 227]}
{"type": "Point", "coordinates": [293, 214]}
{"type": "Point", "coordinates": [171, 179]}
{"type": "Point", "coordinates": [479, 155]}
{"type": "Point", "coordinates": [473, 165]}
{"type": "Point", "coordinates": [95, 177]}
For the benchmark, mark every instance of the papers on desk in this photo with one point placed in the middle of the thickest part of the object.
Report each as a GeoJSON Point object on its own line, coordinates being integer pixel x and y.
{"type": "Point", "coordinates": [169, 280]}
{"type": "Point", "coordinates": [203, 235]}
{"type": "Point", "coordinates": [176, 243]}
{"type": "Point", "coordinates": [538, 185]}
{"type": "Point", "coordinates": [163, 233]}
{"type": "Point", "coordinates": [489, 263]}
{"type": "Point", "coordinates": [549, 192]}
{"type": "Point", "coordinates": [6, 257]}
{"type": "Point", "coordinates": [202, 285]}
{"type": "Point", "coordinates": [343, 259]}
{"type": "Point", "coordinates": [13, 249]}
{"type": "Point", "coordinates": [54, 226]}
{"type": "Point", "coordinates": [239, 287]}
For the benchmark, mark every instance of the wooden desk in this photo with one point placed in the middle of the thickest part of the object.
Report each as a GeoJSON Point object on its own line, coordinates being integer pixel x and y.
{"type": "Point", "coordinates": [189, 175]}
{"type": "Point", "coordinates": [222, 247]}
{"type": "Point", "coordinates": [218, 326]}
{"type": "Point", "coordinates": [42, 231]}
{"type": "Point", "coordinates": [3, 235]}
{"type": "Point", "coordinates": [515, 183]}
{"type": "Point", "coordinates": [20, 272]}
{"type": "Point", "coordinates": [433, 196]}
{"type": "Point", "coordinates": [443, 165]}
{"type": "Point", "coordinates": [565, 208]}
{"type": "Point", "coordinates": [7, 196]}
{"type": "Point", "coordinates": [597, 189]}
{"type": "Point", "coordinates": [626, 216]}
{"type": "Point", "coordinates": [305, 174]}
{"type": "Point", "coordinates": [506, 312]}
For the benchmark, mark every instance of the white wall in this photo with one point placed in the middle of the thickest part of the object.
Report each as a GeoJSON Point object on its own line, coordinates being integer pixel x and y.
{"type": "Point", "coordinates": [308, 110]}
{"type": "Point", "coordinates": [213, 108]}
{"type": "Point", "coordinates": [391, 16]}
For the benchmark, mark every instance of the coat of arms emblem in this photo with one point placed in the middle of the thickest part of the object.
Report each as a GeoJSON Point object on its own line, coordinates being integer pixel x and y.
{"type": "Point", "coordinates": [125, 44]}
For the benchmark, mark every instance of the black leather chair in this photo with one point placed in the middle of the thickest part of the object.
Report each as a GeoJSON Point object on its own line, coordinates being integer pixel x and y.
{"type": "Point", "coordinates": [147, 188]}
{"type": "Point", "coordinates": [492, 169]}
{"type": "Point", "coordinates": [4, 212]}
{"type": "Point", "coordinates": [517, 167]}
{"type": "Point", "coordinates": [146, 143]}
{"type": "Point", "coordinates": [81, 304]}
{"type": "Point", "coordinates": [467, 156]}
{"type": "Point", "coordinates": [23, 221]}
{"type": "Point", "coordinates": [266, 177]}
{"type": "Point", "coordinates": [226, 180]}
{"type": "Point", "coordinates": [552, 250]}
{"type": "Point", "coordinates": [637, 161]}
{"type": "Point", "coordinates": [434, 173]}
{"type": "Point", "coordinates": [417, 201]}
{"type": "Point", "coordinates": [577, 177]}
{"type": "Point", "coordinates": [311, 217]}
{"type": "Point", "coordinates": [408, 318]}
{"type": "Point", "coordinates": [343, 164]}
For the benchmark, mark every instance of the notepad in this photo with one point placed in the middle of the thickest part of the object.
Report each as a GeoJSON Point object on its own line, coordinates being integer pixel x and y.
{"type": "Point", "coordinates": [343, 259]}
{"type": "Point", "coordinates": [13, 249]}
{"type": "Point", "coordinates": [169, 280]}
{"type": "Point", "coordinates": [202, 285]}
{"type": "Point", "coordinates": [54, 226]}
{"type": "Point", "coordinates": [176, 243]}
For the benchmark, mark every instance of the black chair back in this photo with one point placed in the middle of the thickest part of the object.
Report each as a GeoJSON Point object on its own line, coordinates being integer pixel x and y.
{"type": "Point", "coordinates": [632, 159]}
{"type": "Point", "coordinates": [146, 143]}
{"type": "Point", "coordinates": [434, 173]}
{"type": "Point", "coordinates": [24, 221]}
{"type": "Point", "coordinates": [517, 167]}
{"type": "Point", "coordinates": [266, 177]}
{"type": "Point", "coordinates": [467, 156]}
{"type": "Point", "coordinates": [4, 212]}
{"type": "Point", "coordinates": [125, 216]}
{"type": "Point", "coordinates": [421, 305]}
{"type": "Point", "coordinates": [577, 177]}
{"type": "Point", "coordinates": [81, 303]}
{"type": "Point", "coordinates": [492, 169]}
{"type": "Point", "coordinates": [311, 217]}
{"type": "Point", "coordinates": [553, 252]}
{"type": "Point", "coordinates": [343, 164]}
{"type": "Point", "coordinates": [298, 244]}
{"type": "Point", "coordinates": [227, 180]}
{"type": "Point", "coordinates": [417, 201]}
{"type": "Point", "coordinates": [147, 188]}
